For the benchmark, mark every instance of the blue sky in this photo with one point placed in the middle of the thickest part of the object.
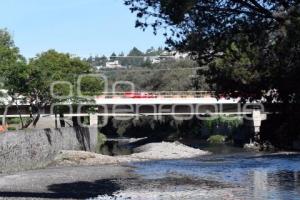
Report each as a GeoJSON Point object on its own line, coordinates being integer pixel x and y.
{"type": "Point", "coordinates": [80, 27]}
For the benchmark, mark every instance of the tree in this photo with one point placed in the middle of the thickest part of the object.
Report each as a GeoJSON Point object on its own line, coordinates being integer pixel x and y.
{"type": "Point", "coordinates": [113, 56]}
{"type": "Point", "coordinates": [52, 66]}
{"type": "Point", "coordinates": [135, 57]}
{"type": "Point", "coordinates": [154, 52]}
{"type": "Point", "coordinates": [252, 48]}
{"type": "Point", "coordinates": [96, 61]}
{"type": "Point", "coordinates": [13, 72]}
{"type": "Point", "coordinates": [135, 52]}
{"type": "Point", "coordinates": [266, 31]}
{"type": "Point", "coordinates": [165, 76]}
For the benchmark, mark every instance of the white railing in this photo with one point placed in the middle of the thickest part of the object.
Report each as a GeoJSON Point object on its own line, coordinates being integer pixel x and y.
{"type": "Point", "coordinates": [157, 94]}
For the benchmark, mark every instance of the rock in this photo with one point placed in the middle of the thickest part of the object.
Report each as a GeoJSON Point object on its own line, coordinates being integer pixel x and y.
{"type": "Point", "coordinates": [253, 146]}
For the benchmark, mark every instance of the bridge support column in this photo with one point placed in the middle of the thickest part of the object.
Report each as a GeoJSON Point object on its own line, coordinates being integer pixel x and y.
{"type": "Point", "coordinates": [257, 118]}
{"type": "Point", "coordinates": [93, 120]}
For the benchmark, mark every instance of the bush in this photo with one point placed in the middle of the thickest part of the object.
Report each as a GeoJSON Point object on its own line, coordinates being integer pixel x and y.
{"type": "Point", "coordinates": [217, 139]}
{"type": "Point", "coordinates": [11, 128]}
{"type": "Point", "coordinates": [101, 139]}
{"type": "Point", "coordinates": [13, 121]}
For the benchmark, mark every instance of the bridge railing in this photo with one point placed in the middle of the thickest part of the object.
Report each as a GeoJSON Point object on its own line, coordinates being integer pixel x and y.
{"type": "Point", "coordinates": [157, 94]}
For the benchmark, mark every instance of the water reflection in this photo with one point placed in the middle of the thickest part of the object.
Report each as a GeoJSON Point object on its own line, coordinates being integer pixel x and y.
{"type": "Point", "coordinates": [259, 176]}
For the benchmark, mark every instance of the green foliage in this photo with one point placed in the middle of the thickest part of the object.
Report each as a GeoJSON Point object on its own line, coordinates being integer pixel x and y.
{"type": "Point", "coordinates": [33, 80]}
{"type": "Point", "coordinates": [97, 61]}
{"type": "Point", "coordinates": [165, 76]}
{"type": "Point", "coordinates": [154, 52]}
{"type": "Point", "coordinates": [135, 52]}
{"type": "Point", "coordinates": [11, 128]}
{"type": "Point", "coordinates": [113, 56]}
{"type": "Point", "coordinates": [252, 47]}
{"type": "Point", "coordinates": [217, 139]}
{"type": "Point", "coordinates": [231, 123]}
{"type": "Point", "coordinates": [12, 65]}
{"type": "Point", "coordinates": [62, 89]}
{"type": "Point", "coordinates": [101, 139]}
{"type": "Point", "coordinates": [52, 66]}
{"type": "Point", "coordinates": [9, 53]}
{"type": "Point", "coordinates": [135, 58]}
{"type": "Point", "coordinates": [13, 120]}
{"type": "Point", "coordinates": [91, 86]}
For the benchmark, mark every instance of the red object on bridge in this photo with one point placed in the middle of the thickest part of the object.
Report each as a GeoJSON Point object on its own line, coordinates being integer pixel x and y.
{"type": "Point", "coordinates": [139, 95]}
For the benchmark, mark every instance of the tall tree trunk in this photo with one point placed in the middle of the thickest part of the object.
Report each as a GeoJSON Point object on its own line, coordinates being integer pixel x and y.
{"type": "Point", "coordinates": [31, 116]}
{"type": "Point", "coordinates": [62, 120]}
{"type": "Point", "coordinates": [36, 119]}
{"type": "Point", "coordinates": [20, 115]}
{"type": "Point", "coordinates": [55, 119]}
{"type": "Point", "coordinates": [5, 114]}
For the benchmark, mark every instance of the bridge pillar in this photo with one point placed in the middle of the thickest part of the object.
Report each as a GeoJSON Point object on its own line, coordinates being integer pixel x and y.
{"type": "Point", "coordinates": [257, 118]}
{"type": "Point", "coordinates": [93, 120]}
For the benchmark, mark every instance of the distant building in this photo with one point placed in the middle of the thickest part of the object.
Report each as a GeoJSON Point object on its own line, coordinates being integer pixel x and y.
{"type": "Point", "coordinates": [168, 56]}
{"type": "Point", "coordinates": [153, 59]}
{"type": "Point", "coordinates": [181, 56]}
{"type": "Point", "coordinates": [113, 65]}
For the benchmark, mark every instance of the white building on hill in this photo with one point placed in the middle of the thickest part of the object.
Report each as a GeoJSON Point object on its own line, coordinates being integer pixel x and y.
{"type": "Point", "coordinates": [113, 65]}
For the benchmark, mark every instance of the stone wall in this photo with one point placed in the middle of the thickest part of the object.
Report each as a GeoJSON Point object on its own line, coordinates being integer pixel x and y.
{"type": "Point", "coordinates": [29, 149]}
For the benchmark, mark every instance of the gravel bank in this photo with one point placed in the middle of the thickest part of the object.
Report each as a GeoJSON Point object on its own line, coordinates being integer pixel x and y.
{"type": "Point", "coordinates": [152, 151]}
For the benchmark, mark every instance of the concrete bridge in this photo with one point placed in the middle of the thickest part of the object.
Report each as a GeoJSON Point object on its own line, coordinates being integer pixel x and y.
{"type": "Point", "coordinates": [182, 105]}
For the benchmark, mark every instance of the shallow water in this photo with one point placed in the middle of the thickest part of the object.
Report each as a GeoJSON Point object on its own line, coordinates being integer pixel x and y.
{"type": "Point", "coordinates": [258, 176]}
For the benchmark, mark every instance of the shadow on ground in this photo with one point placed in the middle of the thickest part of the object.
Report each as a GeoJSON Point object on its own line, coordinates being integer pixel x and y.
{"type": "Point", "coordinates": [75, 190]}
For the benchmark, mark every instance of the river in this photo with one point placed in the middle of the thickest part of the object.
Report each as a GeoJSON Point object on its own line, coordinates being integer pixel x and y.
{"type": "Point", "coordinates": [255, 175]}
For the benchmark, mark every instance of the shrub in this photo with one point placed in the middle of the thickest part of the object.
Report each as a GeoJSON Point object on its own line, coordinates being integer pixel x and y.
{"type": "Point", "coordinates": [217, 139]}
{"type": "Point", "coordinates": [13, 121]}
{"type": "Point", "coordinates": [101, 139]}
{"type": "Point", "coordinates": [11, 128]}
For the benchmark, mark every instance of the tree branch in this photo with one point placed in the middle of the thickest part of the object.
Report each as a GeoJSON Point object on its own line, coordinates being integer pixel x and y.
{"type": "Point", "coordinates": [260, 7]}
{"type": "Point", "coordinates": [255, 7]}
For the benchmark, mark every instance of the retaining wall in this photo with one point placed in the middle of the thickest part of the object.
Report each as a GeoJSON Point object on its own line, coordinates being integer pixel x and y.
{"type": "Point", "coordinates": [29, 149]}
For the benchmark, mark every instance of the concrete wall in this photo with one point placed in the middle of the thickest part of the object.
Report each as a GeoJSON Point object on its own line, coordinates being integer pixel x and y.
{"type": "Point", "coordinates": [29, 149]}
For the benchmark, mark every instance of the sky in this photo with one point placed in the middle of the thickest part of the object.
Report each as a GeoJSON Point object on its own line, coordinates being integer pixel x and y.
{"type": "Point", "coordinates": [79, 27]}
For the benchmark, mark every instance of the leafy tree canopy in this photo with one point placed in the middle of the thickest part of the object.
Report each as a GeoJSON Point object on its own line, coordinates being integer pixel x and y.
{"type": "Point", "coordinates": [12, 65]}
{"type": "Point", "coordinates": [252, 47]}
{"type": "Point", "coordinates": [52, 66]}
{"type": "Point", "coordinates": [135, 52]}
